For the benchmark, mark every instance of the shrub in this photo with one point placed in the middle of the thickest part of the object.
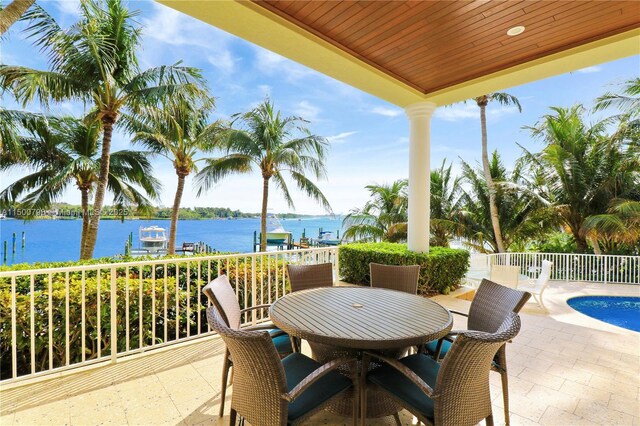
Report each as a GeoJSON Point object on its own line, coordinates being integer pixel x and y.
{"type": "Point", "coordinates": [441, 270]}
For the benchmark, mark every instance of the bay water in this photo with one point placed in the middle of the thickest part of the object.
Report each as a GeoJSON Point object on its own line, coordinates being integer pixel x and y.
{"type": "Point", "coordinates": [59, 240]}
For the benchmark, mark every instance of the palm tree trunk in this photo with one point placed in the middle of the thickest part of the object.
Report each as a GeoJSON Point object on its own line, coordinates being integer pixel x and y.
{"type": "Point", "coordinates": [94, 222]}
{"type": "Point", "coordinates": [174, 213]}
{"type": "Point", "coordinates": [10, 14]}
{"type": "Point", "coordinates": [85, 218]}
{"type": "Point", "coordinates": [493, 208]}
{"type": "Point", "coordinates": [263, 219]}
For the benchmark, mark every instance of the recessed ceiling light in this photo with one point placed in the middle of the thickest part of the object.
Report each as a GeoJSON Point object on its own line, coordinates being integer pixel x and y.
{"type": "Point", "coordinates": [515, 30]}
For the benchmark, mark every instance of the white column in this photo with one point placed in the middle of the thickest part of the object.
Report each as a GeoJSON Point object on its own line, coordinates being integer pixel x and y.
{"type": "Point", "coordinates": [419, 115]}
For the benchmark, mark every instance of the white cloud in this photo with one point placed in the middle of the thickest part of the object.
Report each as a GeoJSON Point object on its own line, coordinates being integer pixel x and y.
{"type": "Point", "coordinates": [174, 28]}
{"type": "Point", "coordinates": [340, 137]}
{"type": "Point", "coordinates": [271, 63]}
{"type": "Point", "coordinates": [387, 112]}
{"type": "Point", "coordinates": [307, 111]}
{"type": "Point", "coordinates": [68, 7]}
{"type": "Point", "coordinates": [589, 70]}
{"type": "Point", "coordinates": [223, 60]}
{"type": "Point", "coordinates": [265, 89]}
{"type": "Point", "coordinates": [458, 112]}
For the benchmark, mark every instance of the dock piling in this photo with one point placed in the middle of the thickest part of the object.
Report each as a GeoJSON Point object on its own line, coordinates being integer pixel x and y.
{"type": "Point", "coordinates": [24, 239]}
{"type": "Point", "coordinates": [13, 246]}
{"type": "Point", "coordinates": [4, 257]}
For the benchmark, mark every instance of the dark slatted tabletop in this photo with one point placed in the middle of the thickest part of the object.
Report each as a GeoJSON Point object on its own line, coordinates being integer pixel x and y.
{"type": "Point", "coordinates": [361, 317]}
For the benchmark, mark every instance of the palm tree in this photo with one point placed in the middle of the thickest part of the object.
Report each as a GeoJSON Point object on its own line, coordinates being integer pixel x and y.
{"type": "Point", "coordinates": [628, 102]}
{"type": "Point", "coordinates": [273, 144]}
{"type": "Point", "coordinates": [94, 61]}
{"type": "Point", "coordinates": [585, 171]}
{"type": "Point", "coordinates": [482, 102]}
{"type": "Point", "coordinates": [179, 133]}
{"type": "Point", "coordinates": [519, 212]}
{"type": "Point", "coordinates": [446, 203]}
{"type": "Point", "coordinates": [10, 14]}
{"type": "Point", "coordinates": [383, 217]}
{"type": "Point", "coordinates": [65, 151]}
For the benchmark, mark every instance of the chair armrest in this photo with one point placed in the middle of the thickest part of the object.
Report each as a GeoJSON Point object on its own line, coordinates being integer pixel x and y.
{"type": "Point", "coordinates": [407, 372]}
{"type": "Point", "coordinates": [458, 313]}
{"type": "Point", "coordinates": [314, 376]}
{"type": "Point", "coordinates": [252, 308]}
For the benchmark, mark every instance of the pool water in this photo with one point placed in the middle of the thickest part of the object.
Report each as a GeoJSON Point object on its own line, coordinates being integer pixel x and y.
{"type": "Point", "coordinates": [623, 311]}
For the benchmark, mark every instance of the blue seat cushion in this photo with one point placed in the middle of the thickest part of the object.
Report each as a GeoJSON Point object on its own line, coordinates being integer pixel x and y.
{"type": "Point", "coordinates": [281, 341]}
{"type": "Point", "coordinates": [296, 368]}
{"type": "Point", "coordinates": [394, 382]}
{"type": "Point", "coordinates": [431, 347]}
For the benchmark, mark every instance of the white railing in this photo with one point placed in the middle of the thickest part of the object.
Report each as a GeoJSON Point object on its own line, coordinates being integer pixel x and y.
{"type": "Point", "coordinates": [597, 268]}
{"type": "Point", "coordinates": [61, 318]}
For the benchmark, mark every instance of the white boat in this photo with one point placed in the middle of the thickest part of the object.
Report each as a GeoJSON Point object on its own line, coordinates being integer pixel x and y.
{"type": "Point", "coordinates": [153, 240]}
{"type": "Point", "coordinates": [327, 238]}
{"type": "Point", "coordinates": [276, 234]}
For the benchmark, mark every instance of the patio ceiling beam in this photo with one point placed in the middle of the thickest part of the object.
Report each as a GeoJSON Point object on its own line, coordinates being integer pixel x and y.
{"type": "Point", "coordinates": [260, 26]}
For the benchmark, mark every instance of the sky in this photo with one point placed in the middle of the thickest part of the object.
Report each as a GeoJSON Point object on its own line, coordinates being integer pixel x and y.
{"type": "Point", "coordinates": [368, 137]}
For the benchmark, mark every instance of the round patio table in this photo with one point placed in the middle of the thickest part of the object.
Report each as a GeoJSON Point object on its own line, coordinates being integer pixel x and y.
{"type": "Point", "coordinates": [347, 320]}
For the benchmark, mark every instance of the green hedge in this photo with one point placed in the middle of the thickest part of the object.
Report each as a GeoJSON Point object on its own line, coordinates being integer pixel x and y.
{"type": "Point", "coordinates": [441, 270]}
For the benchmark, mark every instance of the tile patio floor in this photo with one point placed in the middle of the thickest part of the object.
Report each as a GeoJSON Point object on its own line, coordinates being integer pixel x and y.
{"type": "Point", "coordinates": [565, 369]}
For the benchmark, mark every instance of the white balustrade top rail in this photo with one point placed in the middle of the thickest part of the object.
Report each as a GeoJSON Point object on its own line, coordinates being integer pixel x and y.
{"type": "Point", "coordinates": [55, 319]}
{"type": "Point", "coordinates": [613, 269]}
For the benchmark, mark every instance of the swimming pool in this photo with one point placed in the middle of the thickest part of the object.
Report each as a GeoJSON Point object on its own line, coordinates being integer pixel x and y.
{"type": "Point", "coordinates": [623, 311]}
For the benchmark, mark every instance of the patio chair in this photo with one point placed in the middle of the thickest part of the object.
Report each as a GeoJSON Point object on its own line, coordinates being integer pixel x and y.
{"type": "Point", "coordinates": [222, 296]}
{"type": "Point", "coordinates": [455, 392]}
{"type": "Point", "coordinates": [393, 277]}
{"type": "Point", "coordinates": [271, 392]}
{"type": "Point", "coordinates": [303, 277]}
{"type": "Point", "coordinates": [536, 287]}
{"type": "Point", "coordinates": [489, 308]}
{"type": "Point", "coordinates": [506, 275]}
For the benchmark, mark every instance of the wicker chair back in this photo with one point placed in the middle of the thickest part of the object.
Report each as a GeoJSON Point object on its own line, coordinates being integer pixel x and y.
{"type": "Point", "coordinates": [394, 277]}
{"type": "Point", "coordinates": [462, 395]}
{"type": "Point", "coordinates": [258, 376]}
{"type": "Point", "coordinates": [221, 294]}
{"type": "Point", "coordinates": [492, 304]}
{"type": "Point", "coordinates": [303, 277]}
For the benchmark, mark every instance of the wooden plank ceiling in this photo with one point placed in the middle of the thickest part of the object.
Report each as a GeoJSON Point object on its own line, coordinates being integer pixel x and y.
{"type": "Point", "coordinates": [432, 45]}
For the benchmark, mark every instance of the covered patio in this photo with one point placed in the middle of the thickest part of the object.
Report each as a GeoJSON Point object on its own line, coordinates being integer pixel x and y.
{"type": "Point", "coordinates": [565, 369]}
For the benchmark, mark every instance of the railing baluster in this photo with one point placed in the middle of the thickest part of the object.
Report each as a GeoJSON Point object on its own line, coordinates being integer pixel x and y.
{"type": "Point", "coordinates": [83, 322]}
{"type": "Point", "coordinates": [50, 297]}
{"type": "Point", "coordinates": [126, 310]}
{"type": "Point", "coordinates": [114, 315]}
{"type": "Point", "coordinates": [253, 287]}
{"type": "Point", "coordinates": [153, 305]}
{"type": "Point", "coordinates": [14, 343]}
{"type": "Point", "coordinates": [32, 323]}
{"type": "Point", "coordinates": [140, 310]}
{"type": "Point", "coordinates": [177, 301]}
{"type": "Point", "coordinates": [199, 294]}
{"type": "Point", "coordinates": [66, 327]}
{"type": "Point", "coordinates": [164, 305]}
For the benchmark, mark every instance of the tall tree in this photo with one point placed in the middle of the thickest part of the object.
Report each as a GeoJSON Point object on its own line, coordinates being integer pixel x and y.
{"type": "Point", "coordinates": [382, 218]}
{"type": "Point", "coordinates": [95, 61]}
{"type": "Point", "coordinates": [179, 132]}
{"type": "Point", "coordinates": [10, 14]}
{"type": "Point", "coordinates": [482, 102]}
{"type": "Point", "coordinates": [272, 144]}
{"type": "Point", "coordinates": [64, 152]}
{"type": "Point", "coordinates": [519, 211]}
{"type": "Point", "coordinates": [446, 203]}
{"type": "Point", "coordinates": [586, 171]}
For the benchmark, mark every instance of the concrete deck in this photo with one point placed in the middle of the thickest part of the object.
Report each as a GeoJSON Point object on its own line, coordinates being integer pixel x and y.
{"type": "Point", "coordinates": [565, 369]}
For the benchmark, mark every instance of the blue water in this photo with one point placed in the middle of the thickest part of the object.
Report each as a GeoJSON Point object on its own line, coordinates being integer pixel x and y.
{"type": "Point", "coordinates": [59, 240]}
{"type": "Point", "coordinates": [617, 310]}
